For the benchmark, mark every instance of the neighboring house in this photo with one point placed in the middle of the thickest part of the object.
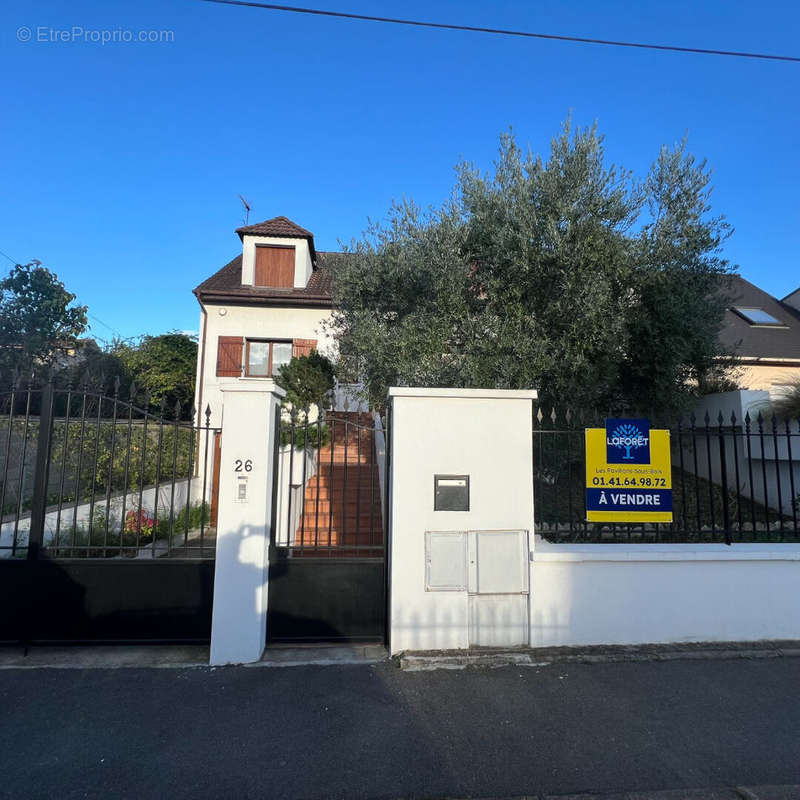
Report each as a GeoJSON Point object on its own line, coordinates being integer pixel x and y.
{"type": "Point", "coordinates": [765, 333]}
{"type": "Point", "coordinates": [266, 305]}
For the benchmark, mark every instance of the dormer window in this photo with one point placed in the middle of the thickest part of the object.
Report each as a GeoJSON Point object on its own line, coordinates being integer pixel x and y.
{"type": "Point", "coordinates": [274, 266]}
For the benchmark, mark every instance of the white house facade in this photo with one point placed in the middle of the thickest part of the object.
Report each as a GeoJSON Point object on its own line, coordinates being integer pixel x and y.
{"type": "Point", "coordinates": [269, 303]}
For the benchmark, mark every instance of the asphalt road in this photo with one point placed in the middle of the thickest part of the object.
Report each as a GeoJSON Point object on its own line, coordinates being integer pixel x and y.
{"type": "Point", "coordinates": [374, 731]}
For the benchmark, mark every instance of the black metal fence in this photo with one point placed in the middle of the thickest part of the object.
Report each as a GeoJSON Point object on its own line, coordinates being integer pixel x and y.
{"type": "Point", "coordinates": [732, 480]}
{"type": "Point", "coordinates": [88, 474]}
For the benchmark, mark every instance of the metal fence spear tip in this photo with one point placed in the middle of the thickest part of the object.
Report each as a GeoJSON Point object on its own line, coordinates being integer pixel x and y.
{"type": "Point", "coordinates": [707, 418]}
{"type": "Point", "coordinates": [733, 419]}
{"type": "Point", "coordinates": [692, 418]}
{"type": "Point", "coordinates": [208, 415]}
{"type": "Point", "coordinates": [116, 386]}
{"type": "Point", "coordinates": [539, 415]}
{"type": "Point", "coordinates": [553, 416]}
{"type": "Point", "coordinates": [720, 418]}
{"type": "Point", "coordinates": [177, 409]}
{"type": "Point", "coordinates": [747, 418]}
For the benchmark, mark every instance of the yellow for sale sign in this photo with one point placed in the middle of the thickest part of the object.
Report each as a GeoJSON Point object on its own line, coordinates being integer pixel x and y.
{"type": "Point", "coordinates": [628, 473]}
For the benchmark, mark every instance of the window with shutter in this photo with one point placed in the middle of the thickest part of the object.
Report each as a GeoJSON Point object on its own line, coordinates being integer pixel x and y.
{"type": "Point", "coordinates": [274, 266]}
{"type": "Point", "coordinates": [229, 356]}
{"type": "Point", "coordinates": [303, 347]}
{"type": "Point", "coordinates": [264, 357]}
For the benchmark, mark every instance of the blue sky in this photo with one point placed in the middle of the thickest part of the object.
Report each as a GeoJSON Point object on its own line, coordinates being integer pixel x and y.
{"type": "Point", "coordinates": [121, 163]}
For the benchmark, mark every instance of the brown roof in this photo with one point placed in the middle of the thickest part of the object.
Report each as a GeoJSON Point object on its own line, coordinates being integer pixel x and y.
{"type": "Point", "coordinates": [767, 342]}
{"type": "Point", "coordinates": [281, 227]}
{"type": "Point", "coordinates": [225, 286]}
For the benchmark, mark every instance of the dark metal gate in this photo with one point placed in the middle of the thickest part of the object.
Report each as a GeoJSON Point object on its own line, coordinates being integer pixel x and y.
{"type": "Point", "coordinates": [105, 533]}
{"type": "Point", "coordinates": [327, 575]}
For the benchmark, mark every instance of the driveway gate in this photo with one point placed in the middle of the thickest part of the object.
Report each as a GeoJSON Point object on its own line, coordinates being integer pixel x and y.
{"type": "Point", "coordinates": [327, 574]}
{"type": "Point", "coordinates": [105, 533]}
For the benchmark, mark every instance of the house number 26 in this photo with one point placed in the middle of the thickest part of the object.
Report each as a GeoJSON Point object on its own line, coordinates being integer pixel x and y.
{"type": "Point", "coordinates": [240, 465]}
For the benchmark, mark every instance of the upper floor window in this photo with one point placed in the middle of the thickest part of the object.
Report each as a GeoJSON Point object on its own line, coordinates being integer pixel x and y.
{"type": "Point", "coordinates": [274, 266]}
{"type": "Point", "coordinates": [263, 358]}
{"type": "Point", "coordinates": [259, 358]}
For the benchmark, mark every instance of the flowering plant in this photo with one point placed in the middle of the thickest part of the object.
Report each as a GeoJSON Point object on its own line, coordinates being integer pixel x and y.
{"type": "Point", "coordinates": [139, 521]}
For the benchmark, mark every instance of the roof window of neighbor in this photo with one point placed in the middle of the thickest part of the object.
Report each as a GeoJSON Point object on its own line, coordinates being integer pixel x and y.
{"type": "Point", "coordinates": [756, 316]}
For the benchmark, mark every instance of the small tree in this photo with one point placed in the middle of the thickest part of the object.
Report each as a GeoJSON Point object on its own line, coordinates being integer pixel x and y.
{"type": "Point", "coordinates": [38, 321]}
{"type": "Point", "coordinates": [308, 380]}
{"type": "Point", "coordinates": [561, 272]}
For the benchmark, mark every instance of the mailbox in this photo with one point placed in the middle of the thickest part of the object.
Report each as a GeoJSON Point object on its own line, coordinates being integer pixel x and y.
{"type": "Point", "coordinates": [451, 492]}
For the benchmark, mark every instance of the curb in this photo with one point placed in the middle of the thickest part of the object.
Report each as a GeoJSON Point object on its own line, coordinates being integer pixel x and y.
{"type": "Point", "coordinates": [416, 661]}
{"type": "Point", "coordinates": [781, 792]}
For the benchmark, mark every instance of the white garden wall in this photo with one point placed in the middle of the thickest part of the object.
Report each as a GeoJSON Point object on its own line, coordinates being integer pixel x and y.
{"type": "Point", "coordinates": [619, 594]}
{"type": "Point", "coordinates": [70, 515]}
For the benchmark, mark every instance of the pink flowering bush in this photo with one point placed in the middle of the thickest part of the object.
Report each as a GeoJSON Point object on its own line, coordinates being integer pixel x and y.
{"type": "Point", "coordinates": [140, 521]}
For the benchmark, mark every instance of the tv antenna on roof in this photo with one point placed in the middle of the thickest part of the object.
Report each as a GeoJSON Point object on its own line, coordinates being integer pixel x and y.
{"type": "Point", "coordinates": [246, 209]}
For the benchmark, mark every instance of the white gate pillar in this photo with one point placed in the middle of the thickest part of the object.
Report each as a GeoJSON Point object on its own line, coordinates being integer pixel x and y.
{"type": "Point", "coordinates": [244, 521]}
{"type": "Point", "coordinates": [459, 559]}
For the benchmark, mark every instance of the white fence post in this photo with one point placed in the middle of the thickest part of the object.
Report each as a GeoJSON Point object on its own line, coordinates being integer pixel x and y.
{"type": "Point", "coordinates": [477, 446]}
{"type": "Point", "coordinates": [239, 618]}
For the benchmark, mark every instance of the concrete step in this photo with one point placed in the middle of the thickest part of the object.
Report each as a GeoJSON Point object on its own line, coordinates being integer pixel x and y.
{"type": "Point", "coordinates": [321, 539]}
{"type": "Point", "coordinates": [323, 655]}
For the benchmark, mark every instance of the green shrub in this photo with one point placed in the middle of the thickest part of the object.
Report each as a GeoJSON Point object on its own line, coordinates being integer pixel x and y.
{"type": "Point", "coordinates": [787, 406]}
{"type": "Point", "coordinates": [316, 433]}
{"type": "Point", "coordinates": [308, 380]}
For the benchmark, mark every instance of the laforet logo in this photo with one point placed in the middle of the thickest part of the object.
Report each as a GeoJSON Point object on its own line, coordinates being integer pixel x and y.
{"type": "Point", "coordinates": [628, 441]}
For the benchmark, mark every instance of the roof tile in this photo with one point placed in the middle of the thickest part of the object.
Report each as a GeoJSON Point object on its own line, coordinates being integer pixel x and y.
{"type": "Point", "coordinates": [225, 285]}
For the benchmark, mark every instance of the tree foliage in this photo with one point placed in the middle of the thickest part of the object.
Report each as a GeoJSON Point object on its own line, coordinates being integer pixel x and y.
{"type": "Point", "coordinates": [308, 380]}
{"type": "Point", "coordinates": [39, 322]}
{"type": "Point", "coordinates": [163, 365]}
{"type": "Point", "coordinates": [567, 275]}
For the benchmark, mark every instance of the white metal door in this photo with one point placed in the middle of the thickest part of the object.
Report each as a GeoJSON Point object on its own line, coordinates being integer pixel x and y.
{"type": "Point", "coordinates": [498, 588]}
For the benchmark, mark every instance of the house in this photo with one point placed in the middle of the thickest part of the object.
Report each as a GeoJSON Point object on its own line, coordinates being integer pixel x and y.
{"type": "Point", "coordinates": [269, 303]}
{"type": "Point", "coordinates": [765, 334]}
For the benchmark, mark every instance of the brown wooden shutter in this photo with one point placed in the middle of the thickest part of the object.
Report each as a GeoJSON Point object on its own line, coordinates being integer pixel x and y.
{"type": "Point", "coordinates": [229, 356]}
{"type": "Point", "coordinates": [303, 347]}
{"type": "Point", "coordinates": [274, 266]}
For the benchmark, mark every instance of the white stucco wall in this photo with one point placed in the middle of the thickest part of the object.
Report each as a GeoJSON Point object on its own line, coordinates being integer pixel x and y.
{"type": "Point", "coordinates": [302, 257]}
{"type": "Point", "coordinates": [618, 594]}
{"type": "Point", "coordinates": [257, 322]}
{"type": "Point", "coordinates": [485, 434]}
{"type": "Point", "coordinates": [239, 616]}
